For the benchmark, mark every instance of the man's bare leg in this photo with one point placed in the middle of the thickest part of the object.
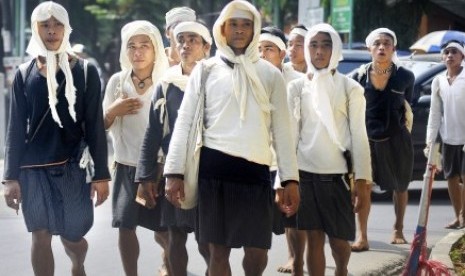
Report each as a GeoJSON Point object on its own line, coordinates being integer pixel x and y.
{"type": "Point", "coordinates": [297, 244]}
{"type": "Point", "coordinates": [162, 238]}
{"type": "Point", "coordinates": [219, 260]}
{"type": "Point", "coordinates": [255, 260]}
{"type": "Point", "coordinates": [76, 251]}
{"type": "Point", "coordinates": [128, 250]}
{"type": "Point", "coordinates": [177, 253]}
{"type": "Point", "coordinates": [361, 244]}
{"type": "Point", "coordinates": [400, 200]}
{"type": "Point", "coordinates": [205, 252]}
{"type": "Point", "coordinates": [316, 262]}
{"type": "Point", "coordinates": [341, 254]}
{"type": "Point", "coordinates": [287, 268]}
{"type": "Point", "coordinates": [455, 195]}
{"type": "Point", "coordinates": [462, 206]}
{"type": "Point", "coordinates": [41, 253]}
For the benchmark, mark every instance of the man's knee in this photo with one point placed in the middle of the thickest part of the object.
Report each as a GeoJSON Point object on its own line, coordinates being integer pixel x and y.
{"type": "Point", "coordinates": [41, 238]}
{"type": "Point", "coordinates": [218, 252]}
{"type": "Point", "coordinates": [177, 237]}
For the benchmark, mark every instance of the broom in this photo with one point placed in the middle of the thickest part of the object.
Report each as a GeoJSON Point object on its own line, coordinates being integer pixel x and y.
{"type": "Point", "coordinates": [418, 263]}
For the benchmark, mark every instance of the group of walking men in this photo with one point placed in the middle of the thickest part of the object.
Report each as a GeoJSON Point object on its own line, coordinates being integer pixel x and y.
{"type": "Point", "coordinates": [300, 134]}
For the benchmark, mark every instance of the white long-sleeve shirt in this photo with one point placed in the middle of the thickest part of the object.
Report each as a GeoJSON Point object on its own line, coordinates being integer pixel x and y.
{"type": "Point", "coordinates": [447, 110]}
{"type": "Point", "coordinates": [224, 130]}
{"type": "Point", "coordinates": [316, 152]}
{"type": "Point", "coordinates": [127, 132]}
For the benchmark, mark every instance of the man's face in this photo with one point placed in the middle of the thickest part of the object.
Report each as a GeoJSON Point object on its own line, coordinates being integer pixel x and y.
{"type": "Point", "coordinates": [295, 49]}
{"type": "Point", "coordinates": [321, 48]}
{"type": "Point", "coordinates": [51, 32]}
{"type": "Point", "coordinates": [238, 33]}
{"type": "Point", "coordinates": [270, 52]}
{"type": "Point", "coordinates": [191, 47]}
{"type": "Point", "coordinates": [382, 48]}
{"type": "Point", "coordinates": [140, 52]}
{"type": "Point", "coordinates": [452, 57]}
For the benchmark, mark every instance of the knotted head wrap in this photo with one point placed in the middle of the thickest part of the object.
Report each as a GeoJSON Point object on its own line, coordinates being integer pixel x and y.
{"type": "Point", "coordinates": [322, 83]}
{"type": "Point", "coordinates": [370, 39]}
{"type": "Point", "coordinates": [142, 27]}
{"type": "Point", "coordinates": [36, 47]}
{"type": "Point", "coordinates": [245, 77]}
{"type": "Point", "coordinates": [193, 27]}
{"type": "Point", "coordinates": [453, 44]}
{"type": "Point", "coordinates": [179, 14]}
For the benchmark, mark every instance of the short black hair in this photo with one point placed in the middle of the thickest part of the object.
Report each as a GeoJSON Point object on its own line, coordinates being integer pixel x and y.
{"type": "Point", "coordinates": [300, 26]}
{"type": "Point", "coordinates": [273, 30]}
{"type": "Point", "coordinates": [443, 46]}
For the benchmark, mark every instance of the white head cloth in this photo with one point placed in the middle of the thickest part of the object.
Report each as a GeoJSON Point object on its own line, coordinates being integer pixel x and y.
{"type": "Point", "coordinates": [245, 77]}
{"type": "Point", "coordinates": [322, 83]}
{"type": "Point", "coordinates": [193, 27]}
{"type": "Point", "coordinates": [454, 45]}
{"type": "Point", "coordinates": [298, 31]}
{"type": "Point", "coordinates": [142, 27]}
{"type": "Point", "coordinates": [36, 48]}
{"type": "Point", "coordinates": [174, 75]}
{"type": "Point", "coordinates": [370, 39]}
{"type": "Point", "coordinates": [274, 39]}
{"type": "Point", "coordinates": [179, 14]}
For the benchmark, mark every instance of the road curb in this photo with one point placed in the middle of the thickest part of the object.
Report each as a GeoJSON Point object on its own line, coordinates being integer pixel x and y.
{"type": "Point", "coordinates": [441, 249]}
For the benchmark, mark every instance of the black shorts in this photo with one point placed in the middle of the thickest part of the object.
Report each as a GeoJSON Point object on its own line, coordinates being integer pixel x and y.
{"type": "Point", "coordinates": [326, 204]}
{"type": "Point", "coordinates": [453, 160]}
{"type": "Point", "coordinates": [127, 213]}
{"type": "Point", "coordinates": [235, 214]}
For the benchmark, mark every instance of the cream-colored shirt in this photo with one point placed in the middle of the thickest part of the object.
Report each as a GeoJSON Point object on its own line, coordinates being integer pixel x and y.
{"type": "Point", "coordinates": [447, 109]}
{"type": "Point", "coordinates": [127, 132]}
{"type": "Point", "coordinates": [316, 152]}
{"type": "Point", "coordinates": [224, 130]}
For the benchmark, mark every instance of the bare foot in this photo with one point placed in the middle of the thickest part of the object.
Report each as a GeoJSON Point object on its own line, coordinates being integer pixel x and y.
{"type": "Point", "coordinates": [398, 237]}
{"type": "Point", "coordinates": [287, 268]}
{"type": "Point", "coordinates": [78, 271]}
{"type": "Point", "coordinates": [454, 225]}
{"type": "Point", "coordinates": [162, 271]}
{"type": "Point", "coordinates": [360, 246]}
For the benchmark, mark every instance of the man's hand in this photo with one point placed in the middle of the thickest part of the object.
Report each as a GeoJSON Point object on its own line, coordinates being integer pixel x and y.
{"type": "Point", "coordinates": [360, 194]}
{"type": "Point", "coordinates": [150, 193]}
{"type": "Point", "coordinates": [102, 190]}
{"type": "Point", "coordinates": [174, 190]}
{"type": "Point", "coordinates": [12, 192]}
{"type": "Point", "coordinates": [288, 198]}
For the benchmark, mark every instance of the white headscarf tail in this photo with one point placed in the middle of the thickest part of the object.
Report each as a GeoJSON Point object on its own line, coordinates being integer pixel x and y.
{"type": "Point", "coordinates": [36, 47]}
{"type": "Point", "coordinates": [322, 83]}
{"type": "Point", "coordinates": [245, 77]}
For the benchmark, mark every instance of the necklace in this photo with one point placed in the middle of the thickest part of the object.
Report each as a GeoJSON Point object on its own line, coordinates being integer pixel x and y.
{"type": "Point", "coordinates": [383, 71]}
{"type": "Point", "coordinates": [141, 83]}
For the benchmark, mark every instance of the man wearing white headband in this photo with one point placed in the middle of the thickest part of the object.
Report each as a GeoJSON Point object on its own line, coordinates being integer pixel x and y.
{"type": "Point", "coordinates": [388, 88]}
{"type": "Point", "coordinates": [173, 17]}
{"type": "Point", "coordinates": [126, 108]}
{"type": "Point", "coordinates": [55, 111]}
{"type": "Point", "coordinates": [295, 49]}
{"type": "Point", "coordinates": [272, 47]}
{"type": "Point", "coordinates": [193, 44]}
{"type": "Point", "coordinates": [244, 105]}
{"type": "Point", "coordinates": [446, 118]}
{"type": "Point", "coordinates": [329, 121]}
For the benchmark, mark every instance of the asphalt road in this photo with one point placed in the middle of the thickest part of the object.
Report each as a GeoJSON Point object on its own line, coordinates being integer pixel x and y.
{"type": "Point", "coordinates": [103, 256]}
